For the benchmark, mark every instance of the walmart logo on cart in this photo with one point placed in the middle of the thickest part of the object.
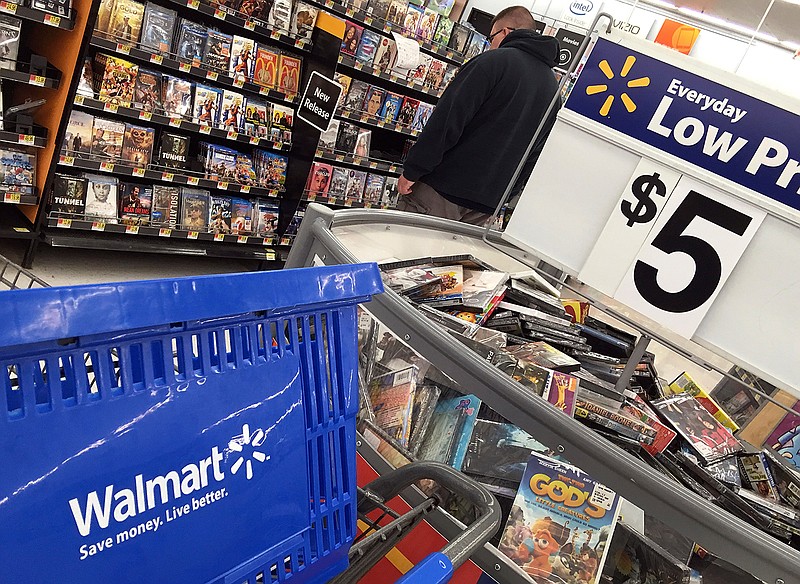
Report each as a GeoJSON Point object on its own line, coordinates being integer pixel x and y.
{"type": "Point", "coordinates": [144, 494]}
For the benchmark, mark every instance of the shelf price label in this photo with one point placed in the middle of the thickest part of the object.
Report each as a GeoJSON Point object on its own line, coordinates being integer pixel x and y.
{"type": "Point", "coordinates": [107, 166]}
{"type": "Point", "coordinates": [254, 140]}
{"type": "Point", "coordinates": [11, 198]}
{"type": "Point", "coordinates": [26, 139]}
{"type": "Point", "coordinates": [357, 160]}
{"type": "Point", "coordinates": [52, 20]}
{"type": "Point", "coordinates": [690, 249]}
{"type": "Point", "coordinates": [219, 237]}
{"type": "Point", "coordinates": [339, 158]}
{"type": "Point", "coordinates": [368, 20]}
{"type": "Point", "coordinates": [123, 48]}
{"type": "Point", "coordinates": [381, 123]}
{"type": "Point", "coordinates": [64, 223]}
{"type": "Point", "coordinates": [358, 65]}
{"type": "Point", "coordinates": [373, 165]}
{"type": "Point", "coordinates": [167, 176]}
{"type": "Point", "coordinates": [79, 99]}
{"type": "Point", "coordinates": [66, 160]}
{"type": "Point", "coordinates": [244, 189]}
{"type": "Point", "coordinates": [193, 4]}
{"type": "Point", "coordinates": [132, 230]}
{"type": "Point", "coordinates": [233, 134]}
{"type": "Point", "coordinates": [157, 59]}
{"type": "Point", "coordinates": [193, 180]}
{"type": "Point", "coordinates": [8, 7]}
{"type": "Point", "coordinates": [146, 116]}
{"type": "Point", "coordinates": [220, 14]}
{"type": "Point", "coordinates": [250, 25]}
{"type": "Point", "coordinates": [138, 172]}
{"type": "Point", "coordinates": [212, 75]}
{"type": "Point", "coordinates": [278, 145]}
{"type": "Point", "coordinates": [270, 256]}
{"type": "Point", "coordinates": [192, 235]}
{"type": "Point", "coordinates": [348, 202]}
{"type": "Point", "coordinates": [110, 107]}
{"type": "Point", "coordinates": [37, 80]}
{"type": "Point", "coordinates": [185, 67]}
{"type": "Point", "coordinates": [328, 3]}
{"type": "Point", "coordinates": [222, 185]}
{"type": "Point", "coordinates": [311, 197]}
{"type": "Point", "coordinates": [175, 122]}
{"type": "Point", "coordinates": [205, 129]}
{"type": "Point", "coordinates": [350, 11]}
{"type": "Point", "coordinates": [241, 239]}
{"type": "Point", "coordinates": [165, 232]}
{"type": "Point", "coordinates": [239, 83]}
{"type": "Point", "coordinates": [98, 225]}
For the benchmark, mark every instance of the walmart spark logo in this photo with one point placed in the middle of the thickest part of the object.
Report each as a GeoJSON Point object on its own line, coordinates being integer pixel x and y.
{"type": "Point", "coordinates": [624, 97]}
{"type": "Point", "coordinates": [246, 444]}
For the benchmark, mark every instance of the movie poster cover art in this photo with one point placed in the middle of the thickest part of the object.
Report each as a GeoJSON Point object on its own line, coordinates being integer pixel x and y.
{"type": "Point", "coordinates": [560, 523]}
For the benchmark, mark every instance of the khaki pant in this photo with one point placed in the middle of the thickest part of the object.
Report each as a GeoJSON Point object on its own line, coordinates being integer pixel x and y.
{"type": "Point", "coordinates": [425, 200]}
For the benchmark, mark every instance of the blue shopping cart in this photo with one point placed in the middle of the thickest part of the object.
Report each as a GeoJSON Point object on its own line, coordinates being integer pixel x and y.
{"type": "Point", "coordinates": [192, 430]}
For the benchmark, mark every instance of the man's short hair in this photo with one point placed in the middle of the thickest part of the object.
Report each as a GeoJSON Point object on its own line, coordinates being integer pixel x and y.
{"type": "Point", "coordinates": [515, 17]}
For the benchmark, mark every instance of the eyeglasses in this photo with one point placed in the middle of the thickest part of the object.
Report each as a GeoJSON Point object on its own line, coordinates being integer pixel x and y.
{"type": "Point", "coordinates": [490, 38]}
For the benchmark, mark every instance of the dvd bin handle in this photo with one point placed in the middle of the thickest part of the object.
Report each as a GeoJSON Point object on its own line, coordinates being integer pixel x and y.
{"type": "Point", "coordinates": [471, 539]}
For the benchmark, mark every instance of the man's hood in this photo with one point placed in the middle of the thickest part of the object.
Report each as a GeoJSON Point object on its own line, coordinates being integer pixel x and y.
{"type": "Point", "coordinates": [544, 48]}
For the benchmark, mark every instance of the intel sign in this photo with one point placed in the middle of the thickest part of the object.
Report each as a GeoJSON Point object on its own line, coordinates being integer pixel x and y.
{"type": "Point", "coordinates": [580, 12]}
{"type": "Point", "coordinates": [581, 8]}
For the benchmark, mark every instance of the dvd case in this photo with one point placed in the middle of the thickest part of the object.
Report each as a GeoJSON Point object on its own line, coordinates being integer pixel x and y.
{"type": "Point", "coordinates": [173, 151]}
{"type": "Point", "coordinates": [137, 145]}
{"type": "Point", "coordinates": [373, 100]}
{"type": "Point", "coordinates": [282, 121]}
{"type": "Point", "coordinates": [164, 210]}
{"type": "Point", "coordinates": [147, 91]}
{"type": "Point", "coordinates": [355, 184]}
{"type": "Point", "coordinates": [242, 58]}
{"type": "Point", "coordinates": [194, 209]}
{"type": "Point", "coordinates": [265, 72]}
{"type": "Point", "coordinates": [10, 29]}
{"type": "Point", "coordinates": [397, 11]}
{"type": "Point", "coordinates": [158, 28]}
{"type": "Point", "coordinates": [78, 137]}
{"type": "Point", "coordinates": [427, 25]}
{"type": "Point", "coordinates": [117, 79]}
{"type": "Point", "coordinates": [217, 52]}
{"type": "Point", "coordinates": [373, 188]}
{"type": "Point", "coordinates": [126, 21]}
{"type": "Point", "coordinates": [219, 215]}
{"type": "Point", "coordinates": [338, 184]}
{"type": "Point", "coordinates": [368, 46]}
{"type": "Point", "coordinates": [289, 77]}
{"type": "Point", "coordinates": [135, 202]}
{"type": "Point", "coordinates": [352, 38]}
{"type": "Point", "coordinates": [266, 217]}
{"type": "Point", "coordinates": [107, 137]}
{"type": "Point", "coordinates": [356, 95]}
{"type": "Point", "coordinates": [280, 15]}
{"type": "Point", "coordinates": [319, 179]}
{"type": "Point", "coordinates": [191, 41]}
{"type": "Point", "coordinates": [101, 197]}
{"type": "Point", "coordinates": [305, 16]}
{"type": "Point", "coordinates": [241, 216]}
{"type": "Point", "coordinates": [443, 31]}
{"type": "Point", "coordinates": [177, 96]}
{"type": "Point", "coordinates": [424, 111]}
{"type": "Point", "coordinates": [385, 55]}
{"type": "Point", "coordinates": [69, 196]}
{"type": "Point", "coordinates": [207, 102]}
{"type": "Point", "coordinates": [407, 111]}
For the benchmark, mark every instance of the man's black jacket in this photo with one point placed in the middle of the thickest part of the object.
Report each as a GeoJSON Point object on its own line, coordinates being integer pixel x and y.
{"type": "Point", "coordinates": [485, 120]}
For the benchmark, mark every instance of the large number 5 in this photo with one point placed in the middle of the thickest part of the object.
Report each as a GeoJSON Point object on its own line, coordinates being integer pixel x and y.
{"type": "Point", "coordinates": [708, 268]}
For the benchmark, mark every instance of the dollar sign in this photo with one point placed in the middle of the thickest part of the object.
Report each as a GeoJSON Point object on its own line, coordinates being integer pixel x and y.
{"type": "Point", "coordinates": [642, 189]}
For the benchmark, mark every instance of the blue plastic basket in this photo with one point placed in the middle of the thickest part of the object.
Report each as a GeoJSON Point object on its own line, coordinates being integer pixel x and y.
{"type": "Point", "coordinates": [187, 430]}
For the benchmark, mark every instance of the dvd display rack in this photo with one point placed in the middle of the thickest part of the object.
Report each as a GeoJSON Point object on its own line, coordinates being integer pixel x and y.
{"type": "Point", "coordinates": [34, 75]}
{"type": "Point", "coordinates": [389, 136]}
{"type": "Point", "coordinates": [293, 145]}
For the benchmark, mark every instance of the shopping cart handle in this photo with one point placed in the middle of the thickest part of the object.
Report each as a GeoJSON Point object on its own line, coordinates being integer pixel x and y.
{"type": "Point", "coordinates": [435, 569]}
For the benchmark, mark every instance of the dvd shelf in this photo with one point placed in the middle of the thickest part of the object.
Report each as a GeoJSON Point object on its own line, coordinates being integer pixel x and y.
{"type": "Point", "coordinates": [130, 113]}
{"type": "Point", "coordinates": [381, 25]}
{"type": "Point", "coordinates": [203, 71]}
{"type": "Point", "coordinates": [375, 121]}
{"type": "Point", "coordinates": [22, 74]}
{"type": "Point", "coordinates": [34, 15]}
{"type": "Point", "coordinates": [364, 162]}
{"type": "Point", "coordinates": [240, 21]}
{"type": "Point", "coordinates": [162, 175]}
{"type": "Point", "coordinates": [352, 63]}
{"type": "Point", "coordinates": [24, 139]}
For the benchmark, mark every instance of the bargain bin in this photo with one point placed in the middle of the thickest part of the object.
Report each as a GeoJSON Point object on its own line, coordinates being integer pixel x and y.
{"type": "Point", "coordinates": [184, 430]}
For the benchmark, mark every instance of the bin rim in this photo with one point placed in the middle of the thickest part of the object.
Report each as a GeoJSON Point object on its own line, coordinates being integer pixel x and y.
{"type": "Point", "coordinates": [47, 314]}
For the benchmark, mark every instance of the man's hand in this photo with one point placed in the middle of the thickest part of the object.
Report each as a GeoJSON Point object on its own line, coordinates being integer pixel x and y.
{"type": "Point", "coordinates": [404, 185]}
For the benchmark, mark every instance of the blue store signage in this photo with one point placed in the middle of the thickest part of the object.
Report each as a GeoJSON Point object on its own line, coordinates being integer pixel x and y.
{"type": "Point", "coordinates": [724, 131]}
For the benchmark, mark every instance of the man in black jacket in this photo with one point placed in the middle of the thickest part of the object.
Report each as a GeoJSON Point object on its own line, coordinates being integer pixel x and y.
{"type": "Point", "coordinates": [465, 157]}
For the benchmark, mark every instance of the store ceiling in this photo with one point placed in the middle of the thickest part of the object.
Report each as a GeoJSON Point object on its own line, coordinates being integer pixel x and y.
{"type": "Point", "coordinates": [782, 22]}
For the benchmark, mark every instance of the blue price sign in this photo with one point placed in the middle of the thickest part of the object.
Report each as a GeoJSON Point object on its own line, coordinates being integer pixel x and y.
{"type": "Point", "coordinates": [717, 128]}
